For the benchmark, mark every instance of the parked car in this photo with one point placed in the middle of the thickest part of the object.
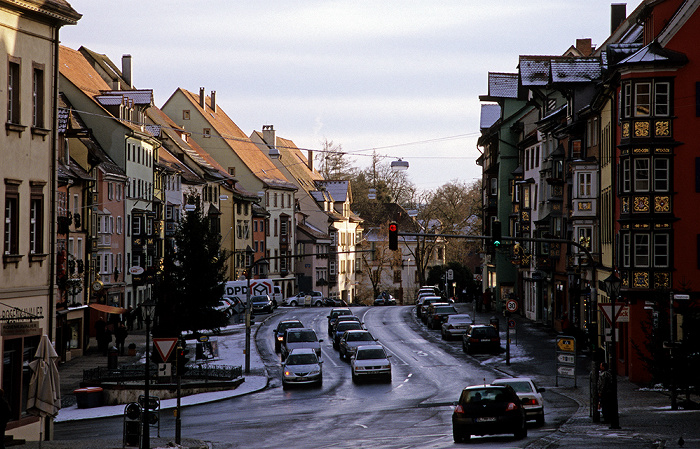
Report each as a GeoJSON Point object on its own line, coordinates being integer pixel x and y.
{"type": "Point", "coordinates": [437, 314]}
{"type": "Point", "coordinates": [385, 299]}
{"type": "Point", "coordinates": [300, 338]}
{"type": "Point", "coordinates": [425, 311]}
{"type": "Point", "coordinates": [340, 329]}
{"type": "Point", "coordinates": [530, 396]}
{"type": "Point", "coordinates": [481, 338]}
{"type": "Point", "coordinates": [279, 331]}
{"type": "Point", "coordinates": [351, 340]}
{"type": "Point", "coordinates": [425, 302]}
{"type": "Point", "coordinates": [455, 326]}
{"type": "Point", "coordinates": [370, 361]}
{"type": "Point", "coordinates": [488, 410]}
{"type": "Point", "coordinates": [302, 366]}
{"type": "Point", "coordinates": [225, 306]}
{"type": "Point", "coordinates": [334, 302]}
{"type": "Point", "coordinates": [301, 298]}
{"type": "Point", "coordinates": [335, 312]}
{"type": "Point", "coordinates": [261, 304]}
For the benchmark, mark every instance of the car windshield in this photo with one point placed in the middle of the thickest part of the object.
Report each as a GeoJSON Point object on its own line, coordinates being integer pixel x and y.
{"type": "Point", "coordinates": [285, 326]}
{"type": "Point", "coordinates": [293, 337]}
{"type": "Point", "coordinates": [302, 359]}
{"type": "Point", "coordinates": [348, 325]}
{"type": "Point", "coordinates": [454, 319]}
{"type": "Point", "coordinates": [369, 354]}
{"type": "Point", "coordinates": [485, 395]}
{"type": "Point", "coordinates": [259, 299]}
{"type": "Point", "coordinates": [485, 332]}
{"type": "Point", "coordinates": [445, 310]}
{"type": "Point", "coordinates": [337, 313]}
{"type": "Point", "coordinates": [359, 336]}
{"type": "Point", "coordinates": [519, 386]}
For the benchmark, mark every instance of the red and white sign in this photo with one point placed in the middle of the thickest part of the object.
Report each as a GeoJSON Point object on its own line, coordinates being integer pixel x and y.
{"type": "Point", "coordinates": [135, 271]}
{"type": "Point", "coordinates": [622, 312]}
{"type": "Point", "coordinates": [512, 305]}
{"type": "Point", "coordinates": [165, 346]}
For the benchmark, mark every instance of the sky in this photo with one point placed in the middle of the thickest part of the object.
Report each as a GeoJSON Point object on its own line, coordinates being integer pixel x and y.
{"type": "Point", "coordinates": [399, 78]}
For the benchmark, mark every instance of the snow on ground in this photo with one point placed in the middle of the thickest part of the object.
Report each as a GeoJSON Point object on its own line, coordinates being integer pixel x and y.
{"type": "Point", "coordinates": [231, 345]}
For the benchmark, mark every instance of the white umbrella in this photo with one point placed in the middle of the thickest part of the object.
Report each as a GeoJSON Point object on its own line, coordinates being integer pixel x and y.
{"type": "Point", "coordinates": [44, 387]}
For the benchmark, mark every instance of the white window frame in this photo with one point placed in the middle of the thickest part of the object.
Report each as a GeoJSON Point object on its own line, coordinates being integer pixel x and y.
{"type": "Point", "coordinates": [641, 250]}
{"type": "Point", "coordinates": [662, 175]}
{"type": "Point", "coordinates": [639, 102]}
{"type": "Point", "coordinates": [642, 174]}
{"type": "Point", "coordinates": [661, 250]}
{"type": "Point", "coordinates": [662, 99]}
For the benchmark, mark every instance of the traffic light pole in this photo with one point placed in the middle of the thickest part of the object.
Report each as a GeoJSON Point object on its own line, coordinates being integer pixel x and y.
{"type": "Point", "coordinates": [178, 409]}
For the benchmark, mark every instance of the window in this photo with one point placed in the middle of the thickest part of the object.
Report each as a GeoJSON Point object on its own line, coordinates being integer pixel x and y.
{"type": "Point", "coordinates": [626, 176]}
{"type": "Point", "coordinates": [110, 191]}
{"type": "Point", "coordinates": [526, 196]}
{"type": "Point", "coordinates": [661, 98]}
{"type": "Point", "coordinates": [11, 223]}
{"type": "Point", "coordinates": [232, 171]}
{"type": "Point", "coordinates": [641, 175]}
{"type": "Point", "coordinates": [206, 132]}
{"type": "Point", "coordinates": [13, 103]}
{"type": "Point", "coordinates": [585, 236]}
{"type": "Point", "coordinates": [585, 188]}
{"type": "Point", "coordinates": [494, 186]}
{"type": "Point", "coordinates": [38, 96]}
{"type": "Point", "coordinates": [331, 267]}
{"type": "Point", "coordinates": [397, 276]}
{"type": "Point", "coordinates": [136, 225]}
{"type": "Point", "coordinates": [36, 220]}
{"type": "Point", "coordinates": [661, 250]}
{"type": "Point", "coordinates": [119, 224]}
{"type": "Point", "coordinates": [186, 114]}
{"type": "Point", "coordinates": [641, 250]}
{"type": "Point", "coordinates": [661, 175]}
{"type": "Point", "coordinates": [627, 112]}
{"type": "Point", "coordinates": [283, 227]}
{"type": "Point", "coordinates": [642, 99]}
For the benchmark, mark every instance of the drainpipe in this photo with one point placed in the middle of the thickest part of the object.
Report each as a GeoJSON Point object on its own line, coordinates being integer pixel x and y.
{"type": "Point", "coordinates": [54, 168]}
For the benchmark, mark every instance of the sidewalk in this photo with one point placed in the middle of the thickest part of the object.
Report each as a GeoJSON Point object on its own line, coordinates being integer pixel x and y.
{"type": "Point", "coordinates": [646, 418]}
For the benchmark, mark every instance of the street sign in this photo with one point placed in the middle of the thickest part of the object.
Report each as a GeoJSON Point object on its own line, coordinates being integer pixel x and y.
{"type": "Point", "coordinates": [681, 297]}
{"type": "Point", "coordinates": [568, 371]}
{"type": "Point", "coordinates": [165, 346]}
{"type": "Point", "coordinates": [566, 359]}
{"type": "Point", "coordinates": [512, 305]}
{"type": "Point", "coordinates": [622, 312]}
{"type": "Point", "coordinates": [566, 344]}
{"type": "Point", "coordinates": [165, 369]}
{"type": "Point", "coordinates": [135, 271]}
{"type": "Point", "coordinates": [450, 274]}
{"type": "Point", "coordinates": [511, 324]}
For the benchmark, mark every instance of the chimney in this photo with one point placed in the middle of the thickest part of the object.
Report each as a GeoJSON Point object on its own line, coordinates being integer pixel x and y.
{"type": "Point", "coordinates": [270, 138]}
{"type": "Point", "coordinates": [310, 160]}
{"type": "Point", "coordinates": [584, 46]}
{"type": "Point", "coordinates": [202, 102]}
{"type": "Point", "coordinates": [127, 70]}
{"type": "Point", "coordinates": [213, 101]}
{"type": "Point", "coordinates": [618, 13]}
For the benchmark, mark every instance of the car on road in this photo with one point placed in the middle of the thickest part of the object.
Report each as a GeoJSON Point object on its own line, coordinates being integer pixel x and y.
{"type": "Point", "coordinates": [437, 314]}
{"type": "Point", "coordinates": [370, 362]}
{"type": "Point", "coordinates": [261, 304]}
{"type": "Point", "coordinates": [342, 318]}
{"type": "Point", "coordinates": [302, 298]}
{"type": "Point", "coordinates": [334, 313]}
{"type": "Point", "coordinates": [488, 410]}
{"type": "Point", "coordinates": [279, 332]}
{"type": "Point", "coordinates": [340, 329]}
{"type": "Point", "coordinates": [530, 396]}
{"type": "Point", "coordinates": [351, 340]}
{"type": "Point", "coordinates": [300, 338]}
{"type": "Point", "coordinates": [455, 326]}
{"type": "Point", "coordinates": [481, 338]}
{"type": "Point", "coordinates": [301, 367]}
{"type": "Point", "coordinates": [422, 307]}
{"type": "Point", "coordinates": [385, 299]}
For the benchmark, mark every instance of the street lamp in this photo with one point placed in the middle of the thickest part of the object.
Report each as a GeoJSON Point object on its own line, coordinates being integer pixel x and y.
{"type": "Point", "coordinates": [249, 253]}
{"type": "Point", "coordinates": [399, 165]}
{"type": "Point", "coordinates": [149, 308]}
{"type": "Point", "coordinates": [612, 284]}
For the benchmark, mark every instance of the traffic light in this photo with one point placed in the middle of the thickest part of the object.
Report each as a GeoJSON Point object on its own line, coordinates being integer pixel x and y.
{"type": "Point", "coordinates": [496, 233]}
{"type": "Point", "coordinates": [181, 360]}
{"type": "Point", "coordinates": [393, 236]}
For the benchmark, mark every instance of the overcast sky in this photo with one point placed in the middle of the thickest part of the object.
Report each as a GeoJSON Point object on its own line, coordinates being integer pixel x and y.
{"type": "Point", "coordinates": [401, 77]}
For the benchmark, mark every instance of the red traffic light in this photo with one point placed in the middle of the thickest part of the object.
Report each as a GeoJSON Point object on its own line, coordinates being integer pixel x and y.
{"type": "Point", "coordinates": [393, 236]}
{"type": "Point", "coordinates": [393, 227]}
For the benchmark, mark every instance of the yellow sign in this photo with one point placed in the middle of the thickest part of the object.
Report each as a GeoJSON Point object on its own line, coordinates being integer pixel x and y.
{"type": "Point", "coordinates": [566, 344]}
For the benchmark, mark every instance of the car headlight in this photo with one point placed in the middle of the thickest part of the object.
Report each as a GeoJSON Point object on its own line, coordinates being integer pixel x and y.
{"type": "Point", "coordinates": [288, 373]}
{"type": "Point", "coordinates": [315, 372]}
{"type": "Point", "coordinates": [280, 338]}
{"type": "Point", "coordinates": [386, 366]}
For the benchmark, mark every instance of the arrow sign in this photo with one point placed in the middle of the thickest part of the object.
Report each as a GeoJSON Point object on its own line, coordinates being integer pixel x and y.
{"type": "Point", "coordinates": [165, 346]}
{"type": "Point", "coordinates": [566, 359]}
{"type": "Point", "coordinates": [566, 344]}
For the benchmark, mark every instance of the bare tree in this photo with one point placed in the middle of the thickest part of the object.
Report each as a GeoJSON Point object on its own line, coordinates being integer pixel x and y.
{"type": "Point", "coordinates": [334, 163]}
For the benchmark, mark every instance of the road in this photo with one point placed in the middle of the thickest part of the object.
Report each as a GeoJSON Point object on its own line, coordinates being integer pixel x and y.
{"type": "Point", "coordinates": [413, 411]}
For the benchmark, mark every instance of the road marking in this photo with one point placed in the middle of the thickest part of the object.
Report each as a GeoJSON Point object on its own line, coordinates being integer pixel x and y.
{"type": "Point", "coordinates": [361, 425]}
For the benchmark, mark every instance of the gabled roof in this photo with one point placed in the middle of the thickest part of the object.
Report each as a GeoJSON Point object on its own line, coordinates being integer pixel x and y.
{"type": "Point", "coordinates": [167, 160]}
{"type": "Point", "coordinates": [655, 54]}
{"type": "Point", "coordinates": [534, 70]}
{"type": "Point", "coordinates": [490, 114]}
{"type": "Point", "coordinates": [339, 190]}
{"type": "Point", "coordinates": [503, 85]}
{"type": "Point", "coordinates": [59, 10]}
{"type": "Point", "coordinates": [684, 13]}
{"type": "Point", "coordinates": [382, 213]}
{"type": "Point", "coordinates": [257, 162]}
{"type": "Point", "coordinates": [311, 231]}
{"type": "Point", "coordinates": [575, 70]}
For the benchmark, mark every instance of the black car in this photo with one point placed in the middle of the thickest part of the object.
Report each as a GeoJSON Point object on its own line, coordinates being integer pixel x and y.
{"type": "Point", "coordinates": [261, 304]}
{"type": "Point", "coordinates": [488, 410]}
{"type": "Point", "coordinates": [341, 328]}
{"type": "Point", "coordinates": [335, 312]}
{"type": "Point", "coordinates": [340, 319]}
{"type": "Point", "coordinates": [481, 338]}
{"type": "Point", "coordinates": [438, 315]}
{"type": "Point", "coordinates": [422, 307]}
{"type": "Point", "coordinates": [279, 331]}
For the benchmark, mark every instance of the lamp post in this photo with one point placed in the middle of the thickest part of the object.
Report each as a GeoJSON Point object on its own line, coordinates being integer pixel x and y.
{"type": "Point", "coordinates": [249, 253]}
{"type": "Point", "coordinates": [612, 284]}
{"type": "Point", "coordinates": [149, 308]}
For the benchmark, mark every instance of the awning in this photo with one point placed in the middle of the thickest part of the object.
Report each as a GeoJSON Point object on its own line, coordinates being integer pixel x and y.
{"type": "Point", "coordinates": [108, 309]}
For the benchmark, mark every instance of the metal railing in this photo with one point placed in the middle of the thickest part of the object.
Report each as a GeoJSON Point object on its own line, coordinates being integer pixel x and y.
{"type": "Point", "coordinates": [130, 373]}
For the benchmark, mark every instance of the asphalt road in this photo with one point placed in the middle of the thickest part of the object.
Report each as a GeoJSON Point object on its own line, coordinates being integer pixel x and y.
{"type": "Point", "coordinates": [413, 411]}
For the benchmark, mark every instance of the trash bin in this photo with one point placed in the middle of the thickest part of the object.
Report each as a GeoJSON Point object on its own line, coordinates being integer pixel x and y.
{"type": "Point", "coordinates": [494, 322]}
{"type": "Point", "coordinates": [88, 397]}
{"type": "Point", "coordinates": [112, 358]}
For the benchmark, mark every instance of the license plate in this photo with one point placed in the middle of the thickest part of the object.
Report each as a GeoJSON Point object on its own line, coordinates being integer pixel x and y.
{"type": "Point", "coordinates": [485, 340]}
{"type": "Point", "coordinates": [486, 419]}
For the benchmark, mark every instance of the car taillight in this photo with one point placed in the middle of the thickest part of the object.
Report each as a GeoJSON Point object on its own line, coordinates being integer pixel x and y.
{"type": "Point", "coordinates": [528, 401]}
{"type": "Point", "coordinates": [494, 339]}
{"type": "Point", "coordinates": [473, 340]}
{"type": "Point", "coordinates": [512, 406]}
{"type": "Point", "coordinates": [459, 409]}
{"type": "Point", "coordinates": [449, 326]}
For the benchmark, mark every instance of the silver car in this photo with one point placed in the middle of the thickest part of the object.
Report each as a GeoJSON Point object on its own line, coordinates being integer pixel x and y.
{"type": "Point", "coordinates": [370, 361]}
{"type": "Point", "coordinates": [455, 326]}
{"type": "Point", "coordinates": [300, 338]}
{"type": "Point", "coordinates": [351, 340]}
{"type": "Point", "coordinates": [302, 367]}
